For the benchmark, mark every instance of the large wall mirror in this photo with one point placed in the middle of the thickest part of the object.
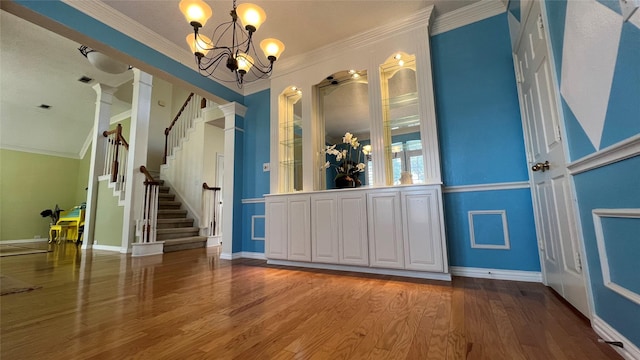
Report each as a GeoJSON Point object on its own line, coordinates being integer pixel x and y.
{"type": "Point", "coordinates": [343, 106]}
{"type": "Point", "coordinates": [290, 140]}
{"type": "Point", "coordinates": [401, 121]}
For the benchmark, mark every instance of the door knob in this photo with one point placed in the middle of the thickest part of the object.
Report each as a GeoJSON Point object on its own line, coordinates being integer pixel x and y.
{"type": "Point", "coordinates": [541, 166]}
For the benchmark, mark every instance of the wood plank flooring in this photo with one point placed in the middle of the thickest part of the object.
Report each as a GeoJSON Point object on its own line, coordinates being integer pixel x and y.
{"type": "Point", "coordinates": [192, 305]}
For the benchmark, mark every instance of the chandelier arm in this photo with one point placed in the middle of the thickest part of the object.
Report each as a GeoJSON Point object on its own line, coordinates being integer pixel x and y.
{"type": "Point", "coordinates": [214, 61]}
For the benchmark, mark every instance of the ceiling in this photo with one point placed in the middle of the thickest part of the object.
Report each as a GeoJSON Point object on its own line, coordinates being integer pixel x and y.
{"type": "Point", "coordinates": [49, 75]}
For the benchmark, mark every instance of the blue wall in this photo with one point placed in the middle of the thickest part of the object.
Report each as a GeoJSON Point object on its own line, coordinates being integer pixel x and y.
{"type": "Point", "coordinates": [481, 142]}
{"type": "Point", "coordinates": [614, 186]}
{"type": "Point", "coordinates": [257, 138]}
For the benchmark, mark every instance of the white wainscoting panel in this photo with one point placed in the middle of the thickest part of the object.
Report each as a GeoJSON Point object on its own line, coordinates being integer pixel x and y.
{"type": "Point", "coordinates": [598, 214]}
{"type": "Point", "coordinates": [505, 230]}
{"type": "Point", "coordinates": [253, 227]}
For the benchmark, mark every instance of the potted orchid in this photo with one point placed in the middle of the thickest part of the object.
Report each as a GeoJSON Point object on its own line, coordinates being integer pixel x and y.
{"type": "Point", "coordinates": [347, 156]}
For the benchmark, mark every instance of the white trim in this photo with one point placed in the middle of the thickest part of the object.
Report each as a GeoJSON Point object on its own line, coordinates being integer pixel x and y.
{"type": "Point", "coordinates": [120, 117]}
{"type": "Point", "coordinates": [251, 255]}
{"type": "Point", "coordinates": [617, 152]}
{"type": "Point", "coordinates": [497, 274]}
{"type": "Point", "coordinates": [608, 333]}
{"type": "Point", "coordinates": [243, 255]}
{"type": "Point", "coordinates": [87, 144]}
{"type": "Point", "coordinates": [23, 241]}
{"type": "Point", "coordinates": [362, 269]}
{"type": "Point", "coordinates": [253, 217]}
{"type": "Point", "coordinates": [467, 15]}
{"type": "Point", "coordinates": [253, 201]}
{"type": "Point", "coordinates": [598, 214]}
{"type": "Point", "coordinates": [39, 151]}
{"type": "Point", "coordinates": [106, 247]}
{"type": "Point", "coordinates": [257, 86]}
{"type": "Point", "coordinates": [487, 187]}
{"type": "Point", "coordinates": [505, 230]}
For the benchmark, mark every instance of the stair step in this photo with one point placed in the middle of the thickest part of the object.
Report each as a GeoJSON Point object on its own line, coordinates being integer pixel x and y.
{"type": "Point", "coordinates": [169, 223]}
{"type": "Point", "coordinates": [166, 205]}
{"type": "Point", "coordinates": [166, 196]}
{"type": "Point", "coordinates": [185, 243]}
{"type": "Point", "coordinates": [164, 189]}
{"type": "Point", "coordinates": [171, 214]}
{"type": "Point", "coordinates": [176, 233]}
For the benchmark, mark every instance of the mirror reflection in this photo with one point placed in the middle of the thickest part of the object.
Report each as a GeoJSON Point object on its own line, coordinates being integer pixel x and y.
{"type": "Point", "coordinates": [403, 145]}
{"type": "Point", "coordinates": [344, 108]}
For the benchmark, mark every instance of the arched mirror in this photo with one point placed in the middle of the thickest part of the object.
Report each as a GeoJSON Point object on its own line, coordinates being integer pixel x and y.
{"type": "Point", "coordinates": [343, 100]}
{"type": "Point", "coordinates": [290, 140]}
{"type": "Point", "coordinates": [401, 121]}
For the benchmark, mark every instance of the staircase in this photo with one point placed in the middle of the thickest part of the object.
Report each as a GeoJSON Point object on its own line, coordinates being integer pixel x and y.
{"type": "Point", "coordinates": [173, 226]}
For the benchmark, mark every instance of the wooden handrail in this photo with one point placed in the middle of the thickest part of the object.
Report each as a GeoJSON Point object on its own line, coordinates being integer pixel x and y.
{"type": "Point", "coordinates": [207, 187]}
{"type": "Point", "coordinates": [203, 104]}
{"type": "Point", "coordinates": [124, 142]}
{"type": "Point", "coordinates": [148, 178]}
{"type": "Point", "coordinates": [175, 119]}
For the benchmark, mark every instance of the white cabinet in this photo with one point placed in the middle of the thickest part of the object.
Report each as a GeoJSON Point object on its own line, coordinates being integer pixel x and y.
{"type": "Point", "coordinates": [422, 232]}
{"type": "Point", "coordinates": [385, 229]}
{"type": "Point", "coordinates": [324, 228]}
{"type": "Point", "coordinates": [276, 228]}
{"type": "Point", "coordinates": [299, 228]}
{"type": "Point", "coordinates": [352, 229]}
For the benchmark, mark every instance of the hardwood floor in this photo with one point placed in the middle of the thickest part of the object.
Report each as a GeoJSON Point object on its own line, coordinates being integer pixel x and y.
{"type": "Point", "coordinates": [192, 305]}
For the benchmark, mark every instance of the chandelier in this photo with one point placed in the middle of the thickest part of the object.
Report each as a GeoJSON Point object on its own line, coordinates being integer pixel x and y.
{"type": "Point", "coordinates": [240, 56]}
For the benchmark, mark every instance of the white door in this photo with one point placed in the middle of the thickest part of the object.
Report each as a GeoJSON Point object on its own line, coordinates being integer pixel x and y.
{"type": "Point", "coordinates": [385, 230]}
{"type": "Point", "coordinates": [352, 229]}
{"type": "Point", "coordinates": [276, 240]}
{"type": "Point", "coordinates": [421, 231]}
{"type": "Point", "coordinates": [324, 228]}
{"type": "Point", "coordinates": [558, 239]}
{"type": "Point", "coordinates": [299, 229]}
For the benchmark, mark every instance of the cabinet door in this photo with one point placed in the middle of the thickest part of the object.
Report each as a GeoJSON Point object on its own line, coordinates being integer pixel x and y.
{"type": "Point", "coordinates": [324, 228]}
{"type": "Point", "coordinates": [422, 230]}
{"type": "Point", "coordinates": [276, 228]}
{"type": "Point", "coordinates": [385, 230]}
{"type": "Point", "coordinates": [299, 233]}
{"type": "Point", "coordinates": [352, 229]}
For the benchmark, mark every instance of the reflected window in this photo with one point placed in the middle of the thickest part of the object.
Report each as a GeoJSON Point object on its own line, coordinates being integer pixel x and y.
{"type": "Point", "coordinates": [401, 120]}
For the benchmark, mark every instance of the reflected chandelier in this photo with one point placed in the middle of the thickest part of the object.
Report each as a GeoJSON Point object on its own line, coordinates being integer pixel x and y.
{"type": "Point", "coordinates": [240, 56]}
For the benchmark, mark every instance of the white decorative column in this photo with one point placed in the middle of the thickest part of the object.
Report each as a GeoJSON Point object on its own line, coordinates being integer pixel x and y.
{"type": "Point", "coordinates": [233, 115]}
{"type": "Point", "coordinates": [138, 144]}
{"type": "Point", "coordinates": [100, 124]}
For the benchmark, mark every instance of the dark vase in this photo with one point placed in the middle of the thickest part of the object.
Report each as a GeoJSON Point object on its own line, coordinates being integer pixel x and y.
{"type": "Point", "coordinates": [343, 182]}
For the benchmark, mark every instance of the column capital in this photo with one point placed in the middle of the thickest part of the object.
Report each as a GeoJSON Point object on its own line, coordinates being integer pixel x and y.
{"type": "Point", "coordinates": [104, 92]}
{"type": "Point", "coordinates": [142, 77]}
{"type": "Point", "coordinates": [233, 108]}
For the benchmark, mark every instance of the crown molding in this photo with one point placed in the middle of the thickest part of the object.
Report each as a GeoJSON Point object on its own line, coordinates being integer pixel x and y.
{"type": "Point", "coordinates": [40, 151]}
{"type": "Point", "coordinates": [295, 63]}
{"type": "Point", "coordinates": [449, 21]}
{"type": "Point", "coordinates": [467, 15]}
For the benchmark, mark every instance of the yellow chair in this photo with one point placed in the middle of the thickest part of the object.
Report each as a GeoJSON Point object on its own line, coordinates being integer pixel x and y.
{"type": "Point", "coordinates": [68, 225]}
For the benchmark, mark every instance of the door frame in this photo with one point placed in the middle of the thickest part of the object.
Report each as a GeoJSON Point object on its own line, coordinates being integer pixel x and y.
{"type": "Point", "coordinates": [525, 10]}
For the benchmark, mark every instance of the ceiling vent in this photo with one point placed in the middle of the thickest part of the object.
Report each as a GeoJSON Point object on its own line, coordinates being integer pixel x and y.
{"type": "Point", "coordinates": [44, 106]}
{"type": "Point", "coordinates": [85, 79]}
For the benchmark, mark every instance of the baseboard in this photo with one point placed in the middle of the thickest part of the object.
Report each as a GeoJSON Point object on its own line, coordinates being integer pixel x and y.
{"type": "Point", "coordinates": [362, 269]}
{"type": "Point", "coordinates": [243, 255]}
{"type": "Point", "coordinates": [23, 241]}
{"type": "Point", "coordinates": [147, 249]}
{"type": "Point", "coordinates": [106, 247]}
{"type": "Point", "coordinates": [608, 333]}
{"type": "Point", "coordinates": [498, 274]}
{"type": "Point", "coordinates": [252, 255]}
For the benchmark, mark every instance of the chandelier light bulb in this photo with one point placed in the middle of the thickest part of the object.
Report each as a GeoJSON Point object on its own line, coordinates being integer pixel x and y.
{"type": "Point", "coordinates": [272, 48]}
{"type": "Point", "coordinates": [199, 45]}
{"type": "Point", "coordinates": [197, 12]}
{"type": "Point", "coordinates": [251, 16]}
{"type": "Point", "coordinates": [244, 63]}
